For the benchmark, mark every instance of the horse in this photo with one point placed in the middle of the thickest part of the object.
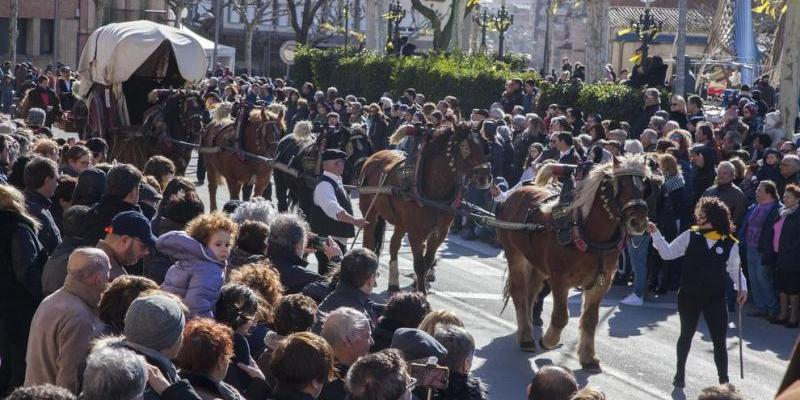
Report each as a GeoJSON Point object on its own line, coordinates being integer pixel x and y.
{"type": "Point", "coordinates": [261, 135]}
{"type": "Point", "coordinates": [444, 161]}
{"type": "Point", "coordinates": [299, 151]}
{"type": "Point", "coordinates": [609, 204]}
{"type": "Point", "coordinates": [177, 116]}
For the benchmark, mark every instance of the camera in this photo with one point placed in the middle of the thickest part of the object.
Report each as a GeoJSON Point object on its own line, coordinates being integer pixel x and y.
{"type": "Point", "coordinates": [318, 127]}
{"type": "Point", "coordinates": [430, 375]}
{"type": "Point", "coordinates": [317, 243]}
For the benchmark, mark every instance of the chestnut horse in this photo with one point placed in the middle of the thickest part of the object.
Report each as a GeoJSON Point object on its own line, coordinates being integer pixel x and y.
{"type": "Point", "coordinates": [608, 204]}
{"type": "Point", "coordinates": [261, 136]}
{"type": "Point", "coordinates": [444, 162]}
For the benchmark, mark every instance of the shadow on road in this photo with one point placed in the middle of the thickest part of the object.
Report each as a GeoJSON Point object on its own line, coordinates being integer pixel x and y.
{"type": "Point", "coordinates": [634, 321]}
{"type": "Point", "coordinates": [494, 370]}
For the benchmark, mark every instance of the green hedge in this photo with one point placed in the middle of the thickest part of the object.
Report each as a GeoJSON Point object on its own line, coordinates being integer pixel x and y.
{"type": "Point", "coordinates": [477, 81]}
{"type": "Point", "coordinates": [615, 102]}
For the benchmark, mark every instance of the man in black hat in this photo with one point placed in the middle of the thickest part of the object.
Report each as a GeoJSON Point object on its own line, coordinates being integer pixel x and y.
{"type": "Point", "coordinates": [332, 213]}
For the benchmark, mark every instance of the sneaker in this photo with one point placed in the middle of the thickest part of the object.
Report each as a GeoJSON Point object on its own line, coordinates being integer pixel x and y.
{"type": "Point", "coordinates": [632, 300]}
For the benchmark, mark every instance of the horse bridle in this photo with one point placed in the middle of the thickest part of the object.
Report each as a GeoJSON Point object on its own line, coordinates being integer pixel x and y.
{"type": "Point", "coordinates": [611, 203]}
{"type": "Point", "coordinates": [463, 149]}
{"type": "Point", "coordinates": [262, 131]}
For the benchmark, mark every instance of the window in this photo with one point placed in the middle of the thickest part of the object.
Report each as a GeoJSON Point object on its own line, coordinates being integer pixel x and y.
{"type": "Point", "coordinates": [47, 35]}
{"type": "Point", "coordinates": [22, 37]}
{"type": "Point", "coordinates": [233, 16]}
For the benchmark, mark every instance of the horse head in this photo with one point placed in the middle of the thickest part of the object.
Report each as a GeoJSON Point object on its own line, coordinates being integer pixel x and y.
{"type": "Point", "coordinates": [358, 149]}
{"type": "Point", "coordinates": [465, 154]}
{"type": "Point", "coordinates": [263, 132]}
{"type": "Point", "coordinates": [191, 112]}
{"type": "Point", "coordinates": [624, 192]}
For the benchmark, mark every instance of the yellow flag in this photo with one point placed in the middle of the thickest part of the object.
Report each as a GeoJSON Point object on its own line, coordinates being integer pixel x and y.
{"type": "Point", "coordinates": [762, 8]}
{"type": "Point", "coordinates": [471, 3]}
{"type": "Point", "coordinates": [783, 9]}
{"type": "Point", "coordinates": [636, 58]}
{"type": "Point", "coordinates": [624, 31]}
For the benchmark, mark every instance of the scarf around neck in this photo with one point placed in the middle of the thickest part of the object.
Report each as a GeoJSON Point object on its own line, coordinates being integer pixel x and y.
{"type": "Point", "coordinates": [712, 234]}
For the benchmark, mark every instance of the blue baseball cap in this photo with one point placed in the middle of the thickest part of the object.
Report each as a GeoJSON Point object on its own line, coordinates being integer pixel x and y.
{"type": "Point", "coordinates": [134, 224]}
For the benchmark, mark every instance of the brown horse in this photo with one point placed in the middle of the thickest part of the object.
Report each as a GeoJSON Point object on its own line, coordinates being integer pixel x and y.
{"type": "Point", "coordinates": [261, 136]}
{"type": "Point", "coordinates": [608, 204]}
{"type": "Point", "coordinates": [444, 162]}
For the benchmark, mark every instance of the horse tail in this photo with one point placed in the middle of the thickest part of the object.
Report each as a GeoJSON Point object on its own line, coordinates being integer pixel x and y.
{"type": "Point", "coordinates": [380, 233]}
{"type": "Point", "coordinates": [506, 292]}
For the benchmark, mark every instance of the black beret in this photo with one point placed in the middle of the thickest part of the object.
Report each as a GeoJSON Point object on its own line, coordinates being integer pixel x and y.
{"type": "Point", "coordinates": [333, 154]}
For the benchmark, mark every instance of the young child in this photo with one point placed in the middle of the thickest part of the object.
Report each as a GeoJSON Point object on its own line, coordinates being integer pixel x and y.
{"type": "Point", "coordinates": [200, 254]}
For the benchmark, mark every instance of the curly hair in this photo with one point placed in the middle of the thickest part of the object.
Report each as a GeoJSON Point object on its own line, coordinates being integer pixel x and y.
{"type": "Point", "coordinates": [118, 296]}
{"type": "Point", "coordinates": [237, 304]}
{"type": "Point", "coordinates": [204, 342]}
{"type": "Point", "coordinates": [204, 226]}
{"type": "Point", "coordinates": [716, 212]}
{"type": "Point", "coordinates": [294, 313]}
{"type": "Point", "coordinates": [439, 317]}
{"type": "Point", "coordinates": [266, 282]}
{"type": "Point", "coordinates": [41, 392]}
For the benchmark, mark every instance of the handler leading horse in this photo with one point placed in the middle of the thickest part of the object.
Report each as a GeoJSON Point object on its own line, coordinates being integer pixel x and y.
{"type": "Point", "coordinates": [608, 204]}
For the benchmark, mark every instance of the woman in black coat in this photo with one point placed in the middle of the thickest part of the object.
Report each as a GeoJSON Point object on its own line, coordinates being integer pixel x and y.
{"type": "Point", "coordinates": [787, 274]}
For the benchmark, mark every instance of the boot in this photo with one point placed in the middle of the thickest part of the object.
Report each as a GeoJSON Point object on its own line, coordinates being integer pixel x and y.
{"type": "Point", "coordinates": [562, 216]}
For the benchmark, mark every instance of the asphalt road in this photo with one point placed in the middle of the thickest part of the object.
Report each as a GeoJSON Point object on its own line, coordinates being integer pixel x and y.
{"type": "Point", "coordinates": [636, 345]}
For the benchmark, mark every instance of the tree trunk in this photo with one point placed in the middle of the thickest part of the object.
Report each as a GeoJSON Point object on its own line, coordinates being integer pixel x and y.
{"type": "Point", "coordinates": [436, 23]}
{"type": "Point", "coordinates": [679, 86]}
{"type": "Point", "coordinates": [375, 26]}
{"type": "Point", "coordinates": [13, 32]}
{"type": "Point", "coordinates": [596, 39]}
{"type": "Point", "coordinates": [456, 20]}
{"type": "Point", "coordinates": [790, 68]}
{"type": "Point", "coordinates": [99, 13]}
{"type": "Point", "coordinates": [248, 47]}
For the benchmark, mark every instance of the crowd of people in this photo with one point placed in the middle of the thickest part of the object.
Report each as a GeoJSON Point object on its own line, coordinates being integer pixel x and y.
{"type": "Point", "coordinates": [116, 283]}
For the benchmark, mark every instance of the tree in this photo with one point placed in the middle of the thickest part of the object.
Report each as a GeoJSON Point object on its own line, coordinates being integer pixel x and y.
{"type": "Point", "coordinates": [790, 67]}
{"type": "Point", "coordinates": [13, 32]}
{"type": "Point", "coordinates": [177, 7]}
{"type": "Point", "coordinates": [99, 12]}
{"type": "Point", "coordinates": [252, 13]}
{"type": "Point", "coordinates": [596, 39]}
{"type": "Point", "coordinates": [442, 34]}
{"type": "Point", "coordinates": [376, 25]}
{"type": "Point", "coordinates": [302, 21]}
{"type": "Point", "coordinates": [679, 86]}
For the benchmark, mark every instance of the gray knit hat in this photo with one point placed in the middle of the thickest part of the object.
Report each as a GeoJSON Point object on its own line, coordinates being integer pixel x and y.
{"type": "Point", "coordinates": [36, 117]}
{"type": "Point", "coordinates": [154, 321]}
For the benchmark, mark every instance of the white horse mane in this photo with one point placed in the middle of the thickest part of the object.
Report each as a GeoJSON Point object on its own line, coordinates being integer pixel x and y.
{"type": "Point", "coordinates": [587, 188]}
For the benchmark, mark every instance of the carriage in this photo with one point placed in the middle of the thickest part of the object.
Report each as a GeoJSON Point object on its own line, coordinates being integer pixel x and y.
{"type": "Point", "coordinates": [133, 76]}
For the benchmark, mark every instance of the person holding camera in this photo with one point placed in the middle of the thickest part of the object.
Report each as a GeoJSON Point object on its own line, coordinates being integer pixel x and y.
{"type": "Point", "coordinates": [332, 212]}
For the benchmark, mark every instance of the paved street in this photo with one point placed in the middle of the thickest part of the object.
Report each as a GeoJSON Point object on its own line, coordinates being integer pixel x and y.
{"type": "Point", "coordinates": [636, 345]}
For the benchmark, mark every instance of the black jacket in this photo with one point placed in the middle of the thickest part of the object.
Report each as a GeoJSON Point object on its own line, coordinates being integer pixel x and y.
{"type": "Point", "coordinates": [21, 260]}
{"type": "Point", "coordinates": [346, 296]}
{"type": "Point", "coordinates": [789, 244]}
{"type": "Point", "coordinates": [379, 133]}
{"type": "Point", "coordinates": [39, 207]}
{"type": "Point", "coordinates": [463, 387]}
{"type": "Point", "coordinates": [205, 386]}
{"type": "Point", "coordinates": [643, 120]}
{"type": "Point", "coordinates": [179, 389]}
{"type": "Point", "coordinates": [294, 274]}
{"type": "Point", "coordinates": [679, 117]}
{"type": "Point", "coordinates": [100, 215]}
{"type": "Point", "coordinates": [334, 390]}
{"type": "Point", "coordinates": [382, 336]}
{"type": "Point", "coordinates": [286, 394]}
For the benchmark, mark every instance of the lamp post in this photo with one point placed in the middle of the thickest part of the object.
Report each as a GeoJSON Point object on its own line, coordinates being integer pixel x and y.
{"type": "Point", "coordinates": [346, 24]}
{"type": "Point", "coordinates": [482, 20]}
{"type": "Point", "coordinates": [646, 28]}
{"type": "Point", "coordinates": [396, 14]}
{"type": "Point", "coordinates": [502, 21]}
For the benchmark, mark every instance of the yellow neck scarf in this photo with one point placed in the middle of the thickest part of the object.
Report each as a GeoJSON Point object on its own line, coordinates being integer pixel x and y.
{"type": "Point", "coordinates": [713, 234]}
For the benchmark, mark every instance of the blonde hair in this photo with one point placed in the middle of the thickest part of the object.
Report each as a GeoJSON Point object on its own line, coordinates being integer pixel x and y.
{"type": "Point", "coordinates": [45, 147]}
{"type": "Point", "coordinates": [439, 317]}
{"type": "Point", "coordinates": [13, 200]}
{"type": "Point", "coordinates": [202, 227]}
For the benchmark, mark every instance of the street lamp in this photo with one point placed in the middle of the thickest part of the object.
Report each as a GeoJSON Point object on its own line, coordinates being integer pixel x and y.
{"type": "Point", "coordinates": [346, 24]}
{"type": "Point", "coordinates": [502, 21]}
{"type": "Point", "coordinates": [395, 15]}
{"type": "Point", "coordinates": [482, 20]}
{"type": "Point", "coordinates": [646, 28]}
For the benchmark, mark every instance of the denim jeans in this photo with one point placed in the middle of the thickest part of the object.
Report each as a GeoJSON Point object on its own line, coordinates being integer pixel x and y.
{"type": "Point", "coordinates": [638, 247]}
{"type": "Point", "coordinates": [762, 282]}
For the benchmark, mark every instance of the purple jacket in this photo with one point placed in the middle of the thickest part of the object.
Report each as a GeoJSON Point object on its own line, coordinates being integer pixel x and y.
{"type": "Point", "coordinates": [195, 276]}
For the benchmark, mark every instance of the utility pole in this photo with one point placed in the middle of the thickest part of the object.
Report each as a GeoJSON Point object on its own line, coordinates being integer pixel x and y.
{"type": "Point", "coordinates": [13, 32]}
{"type": "Point", "coordinates": [217, 22]}
{"type": "Point", "coordinates": [679, 85]}
{"type": "Point", "coordinates": [346, 24]}
{"type": "Point", "coordinates": [56, 30]}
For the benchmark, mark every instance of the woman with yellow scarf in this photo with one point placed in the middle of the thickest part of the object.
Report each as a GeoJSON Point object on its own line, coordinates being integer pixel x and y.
{"type": "Point", "coordinates": [711, 251]}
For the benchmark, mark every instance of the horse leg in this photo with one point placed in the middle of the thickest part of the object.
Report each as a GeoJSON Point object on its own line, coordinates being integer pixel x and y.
{"type": "Point", "coordinates": [588, 323]}
{"type": "Point", "coordinates": [281, 191]}
{"type": "Point", "coordinates": [434, 241]}
{"type": "Point", "coordinates": [517, 287]}
{"type": "Point", "coordinates": [394, 269]}
{"type": "Point", "coordinates": [560, 315]}
{"type": "Point", "coordinates": [213, 182]}
{"type": "Point", "coordinates": [417, 241]}
{"type": "Point", "coordinates": [234, 188]}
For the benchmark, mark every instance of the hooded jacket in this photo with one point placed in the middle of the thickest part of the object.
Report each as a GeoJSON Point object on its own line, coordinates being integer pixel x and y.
{"type": "Point", "coordinates": [196, 276]}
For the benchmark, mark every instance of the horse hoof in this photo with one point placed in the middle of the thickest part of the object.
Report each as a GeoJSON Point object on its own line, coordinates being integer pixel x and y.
{"type": "Point", "coordinates": [394, 288]}
{"type": "Point", "coordinates": [542, 345]}
{"type": "Point", "coordinates": [528, 346]}
{"type": "Point", "coordinates": [592, 367]}
{"type": "Point", "coordinates": [431, 276]}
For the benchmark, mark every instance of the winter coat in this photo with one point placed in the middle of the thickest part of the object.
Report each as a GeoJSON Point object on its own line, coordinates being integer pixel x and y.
{"type": "Point", "coordinates": [292, 269]}
{"type": "Point", "coordinates": [702, 178]}
{"type": "Point", "coordinates": [196, 276]}
{"type": "Point", "coordinates": [35, 99]}
{"type": "Point", "coordinates": [643, 120]}
{"type": "Point", "coordinates": [382, 336]}
{"type": "Point", "coordinates": [346, 296]}
{"type": "Point", "coordinates": [672, 207]}
{"type": "Point", "coordinates": [379, 133]}
{"type": "Point", "coordinates": [732, 196]}
{"type": "Point", "coordinates": [679, 117]}
{"type": "Point", "coordinates": [210, 390]}
{"type": "Point", "coordinates": [157, 263]}
{"type": "Point", "coordinates": [463, 387]}
{"type": "Point", "coordinates": [789, 244]}
{"type": "Point", "coordinates": [240, 257]}
{"type": "Point", "coordinates": [61, 332]}
{"type": "Point", "coordinates": [21, 262]}
{"type": "Point", "coordinates": [768, 256]}
{"type": "Point", "coordinates": [334, 390]}
{"type": "Point", "coordinates": [100, 215]}
{"type": "Point", "coordinates": [55, 269]}
{"type": "Point", "coordinates": [39, 207]}
{"type": "Point", "coordinates": [179, 389]}
{"type": "Point", "coordinates": [509, 100]}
